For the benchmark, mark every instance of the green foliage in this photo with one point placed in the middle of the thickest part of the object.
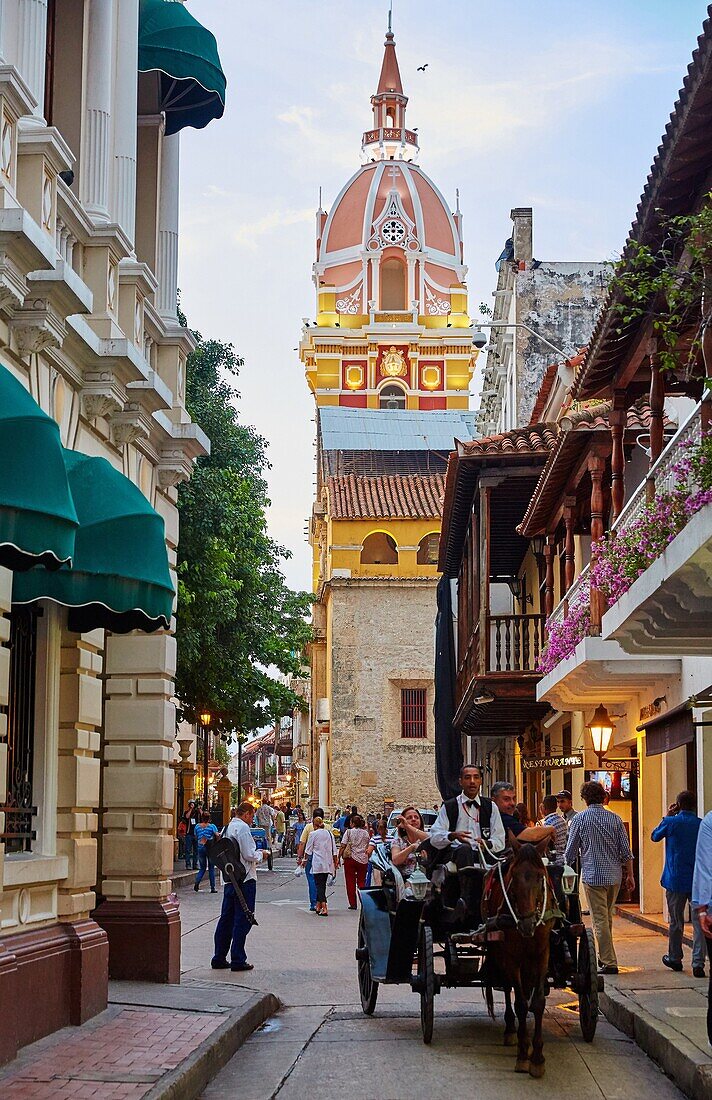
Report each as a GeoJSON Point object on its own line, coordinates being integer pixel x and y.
{"type": "Point", "coordinates": [236, 616]}
{"type": "Point", "coordinates": [671, 284]}
{"type": "Point", "coordinates": [221, 754]}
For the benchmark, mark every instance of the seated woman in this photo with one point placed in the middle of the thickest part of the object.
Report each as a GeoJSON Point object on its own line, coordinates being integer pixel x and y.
{"type": "Point", "coordinates": [410, 833]}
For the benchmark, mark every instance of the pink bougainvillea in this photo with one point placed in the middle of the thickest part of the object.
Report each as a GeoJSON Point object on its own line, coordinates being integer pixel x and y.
{"type": "Point", "coordinates": [621, 556]}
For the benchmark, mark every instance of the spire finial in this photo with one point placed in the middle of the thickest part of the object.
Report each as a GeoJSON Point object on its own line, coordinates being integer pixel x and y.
{"type": "Point", "coordinates": [390, 17]}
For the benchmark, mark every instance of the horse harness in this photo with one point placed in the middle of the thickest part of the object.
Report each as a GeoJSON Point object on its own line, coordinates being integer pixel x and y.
{"type": "Point", "coordinates": [542, 915]}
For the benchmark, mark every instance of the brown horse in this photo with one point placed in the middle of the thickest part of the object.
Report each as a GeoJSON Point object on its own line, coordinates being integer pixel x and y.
{"type": "Point", "coordinates": [521, 959]}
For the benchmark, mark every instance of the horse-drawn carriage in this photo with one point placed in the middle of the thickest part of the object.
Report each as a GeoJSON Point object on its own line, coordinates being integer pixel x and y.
{"type": "Point", "coordinates": [530, 940]}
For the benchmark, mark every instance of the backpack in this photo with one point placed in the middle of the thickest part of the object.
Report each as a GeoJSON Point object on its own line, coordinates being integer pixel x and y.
{"type": "Point", "coordinates": [452, 809]}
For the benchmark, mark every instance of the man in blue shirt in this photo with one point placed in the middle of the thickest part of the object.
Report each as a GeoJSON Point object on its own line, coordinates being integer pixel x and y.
{"type": "Point", "coordinates": [680, 828]}
{"type": "Point", "coordinates": [702, 898]}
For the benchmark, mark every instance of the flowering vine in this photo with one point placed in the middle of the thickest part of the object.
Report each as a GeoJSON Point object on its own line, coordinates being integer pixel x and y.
{"type": "Point", "coordinates": [621, 556]}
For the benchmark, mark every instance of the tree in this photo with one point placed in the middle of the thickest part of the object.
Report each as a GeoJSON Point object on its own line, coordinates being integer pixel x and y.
{"type": "Point", "coordinates": [236, 616]}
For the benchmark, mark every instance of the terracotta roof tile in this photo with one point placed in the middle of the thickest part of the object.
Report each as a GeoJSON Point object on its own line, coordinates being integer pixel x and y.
{"type": "Point", "coordinates": [388, 497]}
{"type": "Point", "coordinates": [596, 415]}
{"type": "Point", "coordinates": [535, 439]}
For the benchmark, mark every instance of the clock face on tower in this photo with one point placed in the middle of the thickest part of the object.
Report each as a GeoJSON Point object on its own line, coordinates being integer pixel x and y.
{"type": "Point", "coordinates": [392, 231]}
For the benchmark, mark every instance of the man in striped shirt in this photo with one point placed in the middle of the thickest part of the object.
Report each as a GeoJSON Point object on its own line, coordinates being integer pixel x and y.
{"type": "Point", "coordinates": [599, 836]}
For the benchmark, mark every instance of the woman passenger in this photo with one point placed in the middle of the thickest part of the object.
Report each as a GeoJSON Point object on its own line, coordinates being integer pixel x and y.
{"type": "Point", "coordinates": [410, 833]}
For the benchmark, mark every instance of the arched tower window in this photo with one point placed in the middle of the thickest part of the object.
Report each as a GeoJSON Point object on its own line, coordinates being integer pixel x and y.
{"type": "Point", "coordinates": [393, 284]}
{"type": "Point", "coordinates": [428, 548]}
{"type": "Point", "coordinates": [379, 549]}
{"type": "Point", "coordinates": [392, 396]}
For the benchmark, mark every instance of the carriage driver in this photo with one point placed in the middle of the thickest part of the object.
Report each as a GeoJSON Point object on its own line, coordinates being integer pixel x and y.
{"type": "Point", "coordinates": [463, 825]}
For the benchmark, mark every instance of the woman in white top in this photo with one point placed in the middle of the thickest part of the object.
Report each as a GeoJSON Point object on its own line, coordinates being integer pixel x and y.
{"type": "Point", "coordinates": [409, 836]}
{"type": "Point", "coordinates": [321, 846]}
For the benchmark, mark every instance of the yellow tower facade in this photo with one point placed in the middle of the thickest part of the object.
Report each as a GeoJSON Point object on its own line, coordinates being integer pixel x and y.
{"type": "Point", "coordinates": [389, 358]}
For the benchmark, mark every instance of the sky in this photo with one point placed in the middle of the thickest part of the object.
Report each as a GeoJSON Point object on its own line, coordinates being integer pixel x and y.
{"type": "Point", "coordinates": [539, 103]}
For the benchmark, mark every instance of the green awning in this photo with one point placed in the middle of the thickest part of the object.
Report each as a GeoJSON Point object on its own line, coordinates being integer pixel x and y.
{"type": "Point", "coordinates": [119, 579]}
{"type": "Point", "coordinates": [38, 520]}
{"type": "Point", "coordinates": [184, 53]}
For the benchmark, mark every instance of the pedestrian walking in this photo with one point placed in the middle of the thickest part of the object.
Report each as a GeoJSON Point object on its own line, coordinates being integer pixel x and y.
{"type": "Point", "coordinates": [679, 829]}
{"type": "Point", "coordinates": [280, 824]}
{"type": "Point", "coordinates": [353, 853]}
{"type": "Point", "coordinates": [702, 898]}
{"type": "Point", "coordinates": [205, 831]}
{"type": "Point", "coordinates": [553, 820]}
{"type": "Point", "coordinates": [264, 817]}
{"type": "Point", "coordinates": [306, 862]}
{"type": "Point", "coordinates": [233, 925]}
{"type": "Point", "coordinates": [321, 848]}
{"type": "Point", "coordinates": [599, 837]}
{"type": "Point", "coordinates": [190, 819]}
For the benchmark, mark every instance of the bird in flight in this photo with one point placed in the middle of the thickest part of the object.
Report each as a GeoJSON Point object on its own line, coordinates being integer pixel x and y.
{"type": "Point", "coordinates": [422, 68]}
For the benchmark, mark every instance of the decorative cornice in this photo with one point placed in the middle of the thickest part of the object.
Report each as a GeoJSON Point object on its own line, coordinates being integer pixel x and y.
{"type": "Point", "coordinates": [131, 425]}
{"type": "Point", "coordinates": [101, 394]}
{"type": "Point", "coordinates": [37, 326]}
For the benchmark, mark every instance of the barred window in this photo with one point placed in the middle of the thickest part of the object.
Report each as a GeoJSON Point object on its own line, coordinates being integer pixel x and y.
{"type": "Point", "coordinates": [414, 715]}
{"type": "Point", "coordinates": [18, 808]}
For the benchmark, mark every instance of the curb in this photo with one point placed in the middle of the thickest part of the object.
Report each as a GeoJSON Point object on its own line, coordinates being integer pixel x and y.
{"type": "Point", "coordinates": [648, 922]}
{"type": "Point", "coordinates": [187, 1081]}
{"type": "Point", "coordinates": [680, 1059]}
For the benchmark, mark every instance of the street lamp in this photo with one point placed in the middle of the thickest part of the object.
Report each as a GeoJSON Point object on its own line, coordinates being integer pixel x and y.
{"type": "Point", "coordinates": [480, 343]}
{"type": "Point", "coordinates": [601, 728]}
{"type": "Point", "coordinates": [205, 720]}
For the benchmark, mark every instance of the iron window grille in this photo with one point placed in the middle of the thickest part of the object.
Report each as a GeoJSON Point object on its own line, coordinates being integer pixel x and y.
{"type": "Point", "coordinates": [18, 809]}
{"type": "Point", "coordinates": [414, 715]}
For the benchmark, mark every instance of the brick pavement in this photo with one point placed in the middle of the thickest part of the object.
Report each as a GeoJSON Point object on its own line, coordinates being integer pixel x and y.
{"type": "Point", "coordinates": [118, 1056]}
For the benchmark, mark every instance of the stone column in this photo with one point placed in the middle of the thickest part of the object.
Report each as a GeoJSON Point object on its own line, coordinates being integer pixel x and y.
{"type": "Point", "coordinates": [96, 131]}
{"type": "Point", "coordinates": [143, 926]}
{"type": "Point", "coordinates": [224, 794]}
{"type": "Point", "coordinates": [123, 182]}
{"type": "Point", "coordinates": [31, 16]}
{"type": "Point", "coordinates": [650, 810]}
{"type": "Point", "coordinates": [167, 252]}
{"type": "Point", "coordinates": [323, 769]}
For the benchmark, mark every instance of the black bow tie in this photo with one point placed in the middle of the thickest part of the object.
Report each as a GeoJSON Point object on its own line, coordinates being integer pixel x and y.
{"type": "Point", "coordinates": [471, 802]}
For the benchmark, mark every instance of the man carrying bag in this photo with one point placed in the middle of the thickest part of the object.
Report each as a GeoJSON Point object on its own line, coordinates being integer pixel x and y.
{"type": "Point", "coordinates": [237, 857]}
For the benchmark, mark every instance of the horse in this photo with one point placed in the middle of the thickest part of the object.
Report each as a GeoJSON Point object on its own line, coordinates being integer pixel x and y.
{"type": "Point", "coordinates": [524, 897]}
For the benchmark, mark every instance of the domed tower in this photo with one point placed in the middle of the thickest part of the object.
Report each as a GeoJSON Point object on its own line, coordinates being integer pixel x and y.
{"type": "Point", "coordinates": [389, 360]}
{"type": "Point", "coordinates": [392, 327]}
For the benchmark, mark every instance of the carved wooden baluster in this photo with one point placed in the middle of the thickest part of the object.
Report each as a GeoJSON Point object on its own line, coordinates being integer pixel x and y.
{"type": "Point", "coordinates": [498, 643]}
{"type": "Point", "coordinates": [518, 621]}
{"type": "Point", "coordinates": [596, 468]}
{"type": "Point", "coordinates": [538, 627]}
{"type": "Point", "coordinates": [507, 643]}
{"type": "Point", "coordinates": [618, 419]}
{"type": "Point", "coordinates": [549, 583]}
{"type": "Point", "coordinates": [525, 653]}
{"type": "Point", "coordinates": [569, 547]}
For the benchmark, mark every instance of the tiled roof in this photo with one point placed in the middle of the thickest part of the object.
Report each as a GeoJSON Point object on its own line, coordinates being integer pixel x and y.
{"type": "Point", "coordinates": [388, 497]}
{"type": "Point", "coordinates": [596, 415]}
{"type": "Point", "coordinates": [547, 385]}
{"type": "Point", "coordinates": [535, 439]}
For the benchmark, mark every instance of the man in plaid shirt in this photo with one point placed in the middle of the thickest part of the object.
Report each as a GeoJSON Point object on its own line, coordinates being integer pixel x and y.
{"type": "Point", "coordinates": [599, 836]}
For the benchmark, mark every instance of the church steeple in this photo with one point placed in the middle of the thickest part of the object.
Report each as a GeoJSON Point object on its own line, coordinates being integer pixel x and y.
{"type": "Point", "coordinates": [389, 139]}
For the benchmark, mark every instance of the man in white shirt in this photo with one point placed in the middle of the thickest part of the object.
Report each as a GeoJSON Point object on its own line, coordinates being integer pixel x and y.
{"type": "Point", "coordinates": [233, 925]}
{"type": "Point", "coordinates": [463, 825]}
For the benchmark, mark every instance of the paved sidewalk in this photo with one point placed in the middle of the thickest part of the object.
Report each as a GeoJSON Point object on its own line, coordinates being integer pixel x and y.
{"type": "Point", "coordinates": [663, 1011]}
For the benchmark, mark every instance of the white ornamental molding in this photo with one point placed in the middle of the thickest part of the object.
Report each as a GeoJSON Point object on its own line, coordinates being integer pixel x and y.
{"type": "Point", "coordinates": [130, 426]}
{"type": "Point", "coordinates": [393, 226]}
{"type": "Point", "coordinates": [436, 307]}
{"type": "Point", "coordinates": [173, 468]}
{"type": "Point", "coordinates": [13, 284]}
{"type": "Point", "coordinates": [37, 327]}
{"type": "Point", "coordinates": [352, 303]}
{"type": "Point", "coordinates": [101, 394]}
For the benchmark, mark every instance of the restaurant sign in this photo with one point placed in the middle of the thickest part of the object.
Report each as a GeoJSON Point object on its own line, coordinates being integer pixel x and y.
{"type": "Point", "coordinates": [544, 763]}
{"type": "Point", "coordinates": [624, 765]}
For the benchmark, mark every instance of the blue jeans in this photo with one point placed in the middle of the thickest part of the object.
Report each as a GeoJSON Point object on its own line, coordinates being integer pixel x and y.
{"type": "Point", "coordinates": [191, 851]}
{"type": "Point", "coordinates": [205, 865]}
{"type": "Point", "coordinates": [311, 883]}
{"type": "Point", "coordinates": [233, 926]}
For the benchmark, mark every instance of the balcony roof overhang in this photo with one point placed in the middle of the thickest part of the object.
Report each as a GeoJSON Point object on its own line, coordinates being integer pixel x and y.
{"type": "Point", "coordinates": [600, 670]}
{"type": "Point", "coordinates": [513, 705]}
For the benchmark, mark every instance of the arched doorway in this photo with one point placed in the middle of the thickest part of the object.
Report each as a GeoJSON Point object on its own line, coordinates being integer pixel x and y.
{"type": "Point", "coordinates": [391, 396]}
{"type": "Point", "coordinates": [393, 284]}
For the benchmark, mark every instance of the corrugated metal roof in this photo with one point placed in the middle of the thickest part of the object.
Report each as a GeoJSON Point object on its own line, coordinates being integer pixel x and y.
{"type": "Point", "coordinates": [345, 429]}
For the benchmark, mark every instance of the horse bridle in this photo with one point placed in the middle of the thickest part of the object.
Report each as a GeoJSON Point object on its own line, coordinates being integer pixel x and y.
{"type": "Point", "coordinates": [518, 920]}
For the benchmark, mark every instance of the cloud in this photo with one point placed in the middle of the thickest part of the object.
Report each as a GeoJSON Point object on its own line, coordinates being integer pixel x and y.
{"type": "Point", "coordinates": [248, 234]}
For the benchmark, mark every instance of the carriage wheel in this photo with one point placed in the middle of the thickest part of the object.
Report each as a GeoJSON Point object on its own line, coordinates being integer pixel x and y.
{"type": "Point", "coordinates": [426, 976]}
{"type": "Point", "coordinates": [367, 987]}
{"type": "Point", "coordinates": [588, 985]}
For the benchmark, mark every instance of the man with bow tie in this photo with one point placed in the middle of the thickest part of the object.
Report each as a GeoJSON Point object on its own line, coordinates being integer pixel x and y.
{"type": "Point", "coordinates": [462, 826]}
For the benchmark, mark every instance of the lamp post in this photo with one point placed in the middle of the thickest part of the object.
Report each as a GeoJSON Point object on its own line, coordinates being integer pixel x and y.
{"type": "Point", "coordinates": [480, 340]}
{"type": "Point", "coordinates": [601, 728]}
{"type": "Point", "coordinates": [205, 720]}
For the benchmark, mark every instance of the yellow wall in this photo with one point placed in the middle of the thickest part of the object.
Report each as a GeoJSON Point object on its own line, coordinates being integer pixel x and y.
{"type": "Point", "coordinates": [407, 533]}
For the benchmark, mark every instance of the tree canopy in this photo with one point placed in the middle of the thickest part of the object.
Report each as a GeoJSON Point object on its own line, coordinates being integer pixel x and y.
{"type": "Point", "coordinates": [236, 616]}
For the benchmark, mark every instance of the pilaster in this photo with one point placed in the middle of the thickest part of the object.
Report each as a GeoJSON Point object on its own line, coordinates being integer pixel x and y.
{"type": "Point", "coordinates": [167, 248]}
{"type": "Point", "coordinates": [80, 719]}
{"type": "Point", "coordinates": [137, 818]}
{"type": "Point", "coordinates": [96, 132]}
{"type": "Point", "coordinates": [31, 16]}
{"type": "Point", "coordinates": [123, 183]}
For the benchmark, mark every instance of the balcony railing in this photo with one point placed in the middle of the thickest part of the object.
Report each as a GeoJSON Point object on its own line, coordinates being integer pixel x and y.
{"type": "Point", "coordinates": [662, 476]}
{"type": "Point", "coordinates": [515, 642]}
{"type": "Point", "coordinates": [561, 610]}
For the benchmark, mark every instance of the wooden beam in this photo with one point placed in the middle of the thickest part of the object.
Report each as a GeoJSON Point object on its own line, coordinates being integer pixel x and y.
{"type": "Point", "coordinates": [596, 468]}
{"type": "Point", "coordinates": [618, 418]}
